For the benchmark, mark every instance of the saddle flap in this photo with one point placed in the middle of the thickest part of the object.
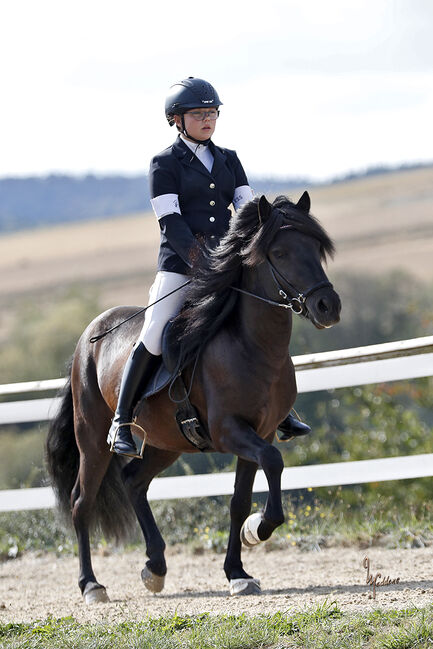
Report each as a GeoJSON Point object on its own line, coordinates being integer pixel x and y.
{"type": "Point", "coordinates": [167, 368]}
{"type": "Point", "coordinates": [171, 348]}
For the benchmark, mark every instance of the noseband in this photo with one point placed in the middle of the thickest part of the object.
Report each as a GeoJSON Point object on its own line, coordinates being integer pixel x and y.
{"type": "Point", "coordinates": [296, 303]}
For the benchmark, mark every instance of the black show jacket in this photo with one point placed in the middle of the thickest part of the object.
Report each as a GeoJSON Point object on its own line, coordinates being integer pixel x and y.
{"type": "Point", "coordinates": [204, 199]}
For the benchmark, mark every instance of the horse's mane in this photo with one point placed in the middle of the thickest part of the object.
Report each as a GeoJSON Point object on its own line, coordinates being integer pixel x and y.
{"type": "Point", "coordinates": [210, 300]}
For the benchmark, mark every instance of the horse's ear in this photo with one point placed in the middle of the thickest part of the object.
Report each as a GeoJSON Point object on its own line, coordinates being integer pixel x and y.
{"type": "Point", "coordinates": [304, 202]}
{"type": "Point", "coordinates": [264, 208]}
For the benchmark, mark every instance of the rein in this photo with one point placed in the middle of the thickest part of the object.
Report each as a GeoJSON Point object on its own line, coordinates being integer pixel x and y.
{"type": "Point", "coordinates": [94, 339]}
{"type": "Point", "coordinates": [296, 303]}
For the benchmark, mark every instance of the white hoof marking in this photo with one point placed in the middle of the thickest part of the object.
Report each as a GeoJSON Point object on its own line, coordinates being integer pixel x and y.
{"type": "Point", "coordinates": [249, 535]}
{"type": "Point", "coordinates": [96, 596]}
{"type": "Point", "coordinates": [245, 586]}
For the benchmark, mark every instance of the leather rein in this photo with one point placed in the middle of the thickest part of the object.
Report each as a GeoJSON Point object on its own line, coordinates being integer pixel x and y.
{"type": "Point", "coordinates": [296, 303]}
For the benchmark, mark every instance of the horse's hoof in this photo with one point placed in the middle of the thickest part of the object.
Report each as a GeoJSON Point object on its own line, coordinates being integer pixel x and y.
{"type": "Point", "coordinates": [249, 535]}
{"type": "Point", "coordinates": [95, 594]}
{"type": "Point", "coordinates": [154, 583]}
{"type": "Point", "coordinates": [245, 586]}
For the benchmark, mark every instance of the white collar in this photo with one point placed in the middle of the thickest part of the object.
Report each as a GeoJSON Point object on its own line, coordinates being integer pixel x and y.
{"type": "Point", "coordinates": [196, 148]}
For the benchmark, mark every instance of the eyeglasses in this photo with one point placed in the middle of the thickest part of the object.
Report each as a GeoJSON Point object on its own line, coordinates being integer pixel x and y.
{"type": "Point", "coordinates": [200, 116]}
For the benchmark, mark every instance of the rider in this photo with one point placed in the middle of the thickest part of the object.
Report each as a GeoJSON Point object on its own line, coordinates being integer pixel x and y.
{"type": "Point", "coordinates": [192, 184]}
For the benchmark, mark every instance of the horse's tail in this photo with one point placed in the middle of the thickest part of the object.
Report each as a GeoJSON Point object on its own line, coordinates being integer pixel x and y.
{"type": "Point", "coordinates": [61, 451]}
{"type": "Point", "coordinates": [111, 513]}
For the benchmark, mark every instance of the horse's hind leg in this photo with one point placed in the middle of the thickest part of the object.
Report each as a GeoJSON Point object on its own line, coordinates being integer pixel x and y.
{"type": "Point", "coordinates": [241, 583]}
{"type": "Point", "coordinates": [93, 466]}
{"type": "Point", "coordinates": [137, 476]}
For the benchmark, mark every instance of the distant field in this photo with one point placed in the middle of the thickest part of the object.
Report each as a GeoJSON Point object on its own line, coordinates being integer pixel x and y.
{"type": "Point", "coordinates": [379, 223]}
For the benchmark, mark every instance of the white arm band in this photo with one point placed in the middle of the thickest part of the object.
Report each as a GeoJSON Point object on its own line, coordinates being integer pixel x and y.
{"type": "Point", "coordinates": [242, 195]}
{"type": "Point", "coordinates": [165, 204]}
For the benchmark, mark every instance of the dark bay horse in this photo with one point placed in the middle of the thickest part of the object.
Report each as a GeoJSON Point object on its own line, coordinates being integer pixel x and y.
{"type": "Point", "coordinates": [237, 322]}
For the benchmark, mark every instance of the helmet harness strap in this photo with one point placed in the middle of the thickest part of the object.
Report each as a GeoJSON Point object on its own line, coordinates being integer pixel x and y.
{"type": "Point", "coordinates": [190, 137]}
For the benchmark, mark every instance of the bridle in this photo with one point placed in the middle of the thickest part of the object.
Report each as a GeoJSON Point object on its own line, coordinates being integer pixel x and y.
{"type": "Point", "coordinates": [296, 303]}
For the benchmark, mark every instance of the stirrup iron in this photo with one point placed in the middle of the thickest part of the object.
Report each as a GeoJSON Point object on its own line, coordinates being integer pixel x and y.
{"type": "Point", "coordinates": [138, 455]}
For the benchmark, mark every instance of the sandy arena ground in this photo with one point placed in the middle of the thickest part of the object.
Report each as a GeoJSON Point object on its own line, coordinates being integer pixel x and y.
{"type": "Point", "coordinates": [35, 587]}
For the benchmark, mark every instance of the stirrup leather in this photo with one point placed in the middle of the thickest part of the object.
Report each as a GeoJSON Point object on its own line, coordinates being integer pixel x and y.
{"type": "Point", "coordinates": [138, 455]}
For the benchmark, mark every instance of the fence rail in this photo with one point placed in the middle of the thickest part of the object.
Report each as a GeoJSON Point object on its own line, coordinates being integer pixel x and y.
{"type": "Point", "coordinates": [221, 484]}
{"type": "Point", "coordinates": [396, 361]}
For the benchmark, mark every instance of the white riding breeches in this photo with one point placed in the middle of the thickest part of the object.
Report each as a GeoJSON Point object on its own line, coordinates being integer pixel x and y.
{"type": "Point", "coordinates": [158, 315]}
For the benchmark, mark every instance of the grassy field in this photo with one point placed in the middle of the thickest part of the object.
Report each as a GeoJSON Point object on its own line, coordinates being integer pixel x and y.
{"type": "Point", "coordinates": [323, 627]}
{"type": "Point", "coordinates": [379, 223]}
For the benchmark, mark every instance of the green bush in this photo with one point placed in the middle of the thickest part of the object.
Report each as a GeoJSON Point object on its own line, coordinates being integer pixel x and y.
{"type": "Point", "coordinates": [368, 422]}
{"type": "Point", "coordinates": [314, 519]}
{"type": "Point", "coordinates": [21, 459]}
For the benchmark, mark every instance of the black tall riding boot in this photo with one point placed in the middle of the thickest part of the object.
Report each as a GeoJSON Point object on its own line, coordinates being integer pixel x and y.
{"type": "Point", "coordinates": [137, 372]}
{"type": "Point", "coordinates": [292, 427]}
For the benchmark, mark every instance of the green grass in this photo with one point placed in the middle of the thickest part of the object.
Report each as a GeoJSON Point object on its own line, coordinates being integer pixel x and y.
{"type": "Point", "coordinates": [323, 627]}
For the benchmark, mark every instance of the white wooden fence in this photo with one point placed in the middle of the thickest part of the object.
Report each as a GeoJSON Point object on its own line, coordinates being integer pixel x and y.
{"type": "Point", "coordinates": [406, 359]}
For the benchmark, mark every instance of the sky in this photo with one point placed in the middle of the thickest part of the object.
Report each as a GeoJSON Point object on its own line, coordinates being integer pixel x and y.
{"type": "Point", "coordinates": [310, 87]}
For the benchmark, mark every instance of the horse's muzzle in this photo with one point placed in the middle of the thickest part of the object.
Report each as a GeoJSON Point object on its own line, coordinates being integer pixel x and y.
{"type": "Point", "coordinates": [324, 308]}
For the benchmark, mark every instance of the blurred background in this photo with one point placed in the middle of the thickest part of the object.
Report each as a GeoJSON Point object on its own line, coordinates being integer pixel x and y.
{"type": "Point", "coordinates": [332, 97]}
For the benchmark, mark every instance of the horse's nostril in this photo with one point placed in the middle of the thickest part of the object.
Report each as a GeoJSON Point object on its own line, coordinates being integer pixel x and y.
{"type": "Point", "coordinates": [322, 306]}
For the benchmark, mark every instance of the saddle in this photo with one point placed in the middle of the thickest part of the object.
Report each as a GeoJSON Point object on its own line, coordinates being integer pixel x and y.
{"type": "Point", "coordinates": [169, 372]}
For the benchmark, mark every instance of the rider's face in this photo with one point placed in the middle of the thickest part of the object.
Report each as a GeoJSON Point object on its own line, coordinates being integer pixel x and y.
{"type": "Point", "coordinates": [198, 130]}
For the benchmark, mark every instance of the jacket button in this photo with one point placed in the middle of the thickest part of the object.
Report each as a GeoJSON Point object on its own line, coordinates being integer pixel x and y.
{"type": "Point", "coordinates": [211, 203]}
{"type": "Point", "coordinates": [212, 185]}
{"type": "Point", "coordinates": [212, 219]}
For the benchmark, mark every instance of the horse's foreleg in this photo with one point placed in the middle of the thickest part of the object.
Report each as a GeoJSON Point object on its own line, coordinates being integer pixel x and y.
{"type": "Point", "coordinates": [241, 583]}
{"type": "Point", "coordinates": [239, 438]}
{"type": "Point", "coordinates": [137, 476]}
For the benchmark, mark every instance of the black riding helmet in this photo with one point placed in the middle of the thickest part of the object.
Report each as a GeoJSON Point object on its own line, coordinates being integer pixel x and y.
{"type": "Point", "coordinates": [189, 93]}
